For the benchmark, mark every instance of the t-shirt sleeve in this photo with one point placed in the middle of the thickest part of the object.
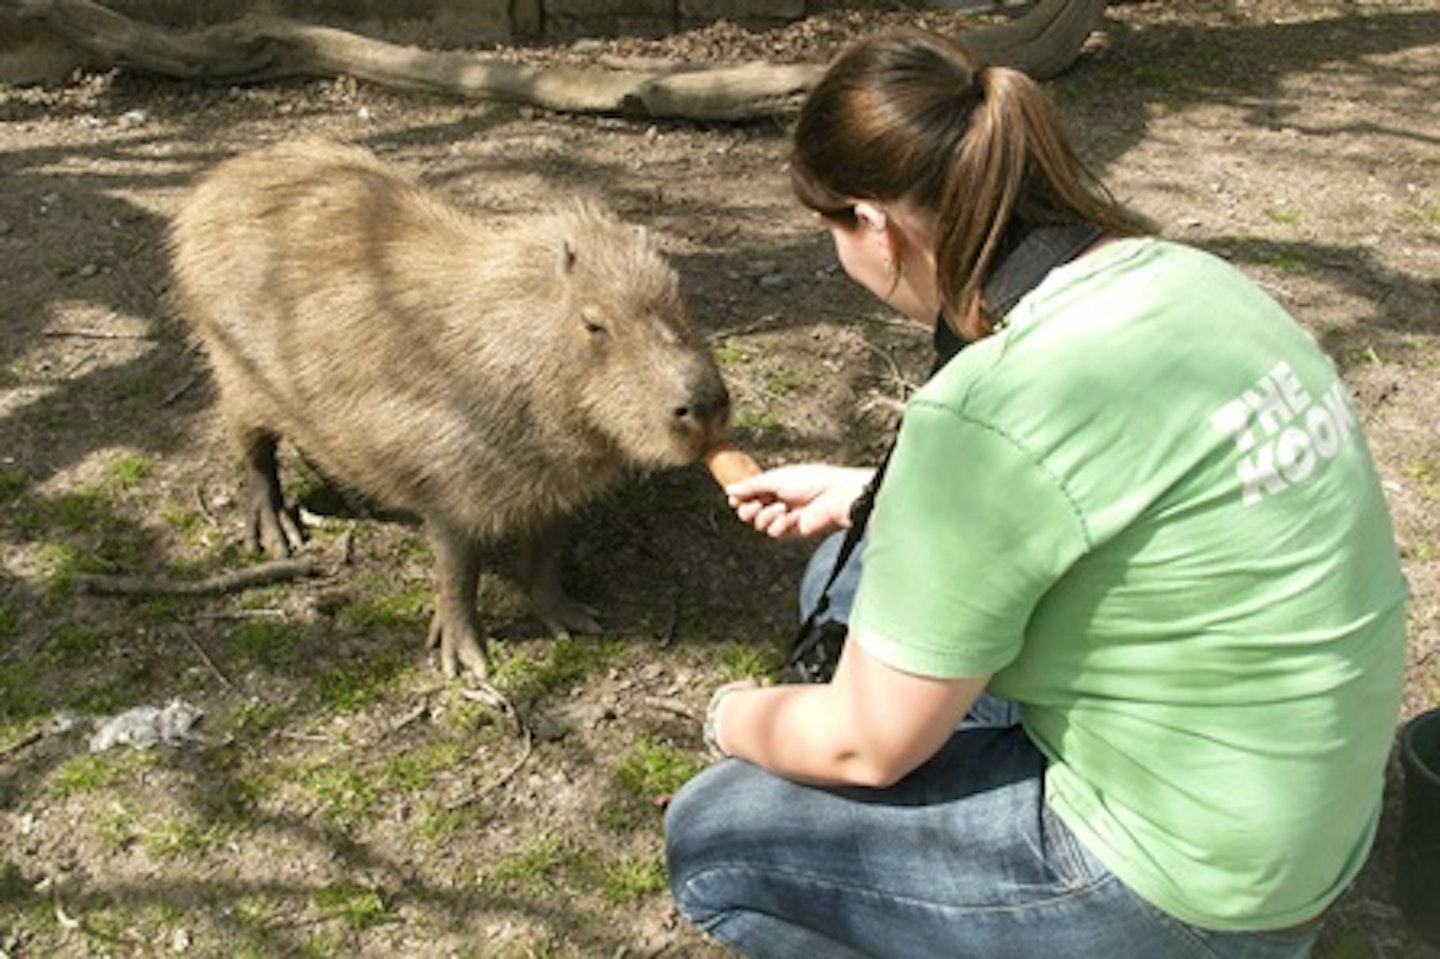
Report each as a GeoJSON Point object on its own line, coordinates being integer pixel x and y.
{"type": "Point", "coordinates": [968, 533]}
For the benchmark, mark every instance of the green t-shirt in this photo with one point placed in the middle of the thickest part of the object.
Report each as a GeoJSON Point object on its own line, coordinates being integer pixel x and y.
{"type": "Point", "coordinates": [1147, 508]}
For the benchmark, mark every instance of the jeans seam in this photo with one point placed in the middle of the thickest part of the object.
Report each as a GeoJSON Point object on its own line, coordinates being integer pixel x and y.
{"type": "Point", "coordinates": [1059, 896]}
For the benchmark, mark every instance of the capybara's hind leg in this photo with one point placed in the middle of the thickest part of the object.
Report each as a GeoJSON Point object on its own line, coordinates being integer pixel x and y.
{"type": "Point", "coordinates": [542, 560]}
{"type": "Point", "coordinates": [272, 528]}
{"type": "Point", "coordinates": [455, 627]}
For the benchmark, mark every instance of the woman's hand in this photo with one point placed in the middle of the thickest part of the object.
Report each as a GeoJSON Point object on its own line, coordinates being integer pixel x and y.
{"type": "Point", "coordinates": [799, 500]}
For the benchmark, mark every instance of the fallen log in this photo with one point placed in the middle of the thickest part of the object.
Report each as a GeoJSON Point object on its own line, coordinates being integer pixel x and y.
{"type": "Point", "coordinates": [256, 48]}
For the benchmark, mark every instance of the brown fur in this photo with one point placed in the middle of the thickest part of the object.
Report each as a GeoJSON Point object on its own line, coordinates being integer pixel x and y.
{"type": "Point", "coordinates": [488, 380]}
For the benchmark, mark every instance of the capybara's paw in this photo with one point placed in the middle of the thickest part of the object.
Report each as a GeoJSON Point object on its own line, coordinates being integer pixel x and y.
{"type": "Point", "coordinates": [275, 533]}
{"type": "Point", "coordinates": [460, 649]}
{"type": "Point", "coordinates": [563, 616]}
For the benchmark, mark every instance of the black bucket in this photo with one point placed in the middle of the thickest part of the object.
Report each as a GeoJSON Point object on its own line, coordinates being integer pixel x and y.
{"type": "Point", "coordinates": [1417, 874]}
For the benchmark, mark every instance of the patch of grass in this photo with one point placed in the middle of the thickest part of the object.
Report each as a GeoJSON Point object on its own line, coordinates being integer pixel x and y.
{"type": "Point", "coordinates": [81, 510]}
{"type": "Point", "coordinates": [463, 716]}
{"type": "Point", "coordinates": [267, 644]}
{"type": "Point", "coordinates": [13, 484]}
{"type": "Point", "coordinates": [1426, 474]}
{"type": "Point", "coordinates": [541, 868]}
{"type": "Point", "coordinates": [413, 770]}
{"type": "Point", "coordinates": [253, 719]}
{"type": "Point", "coordinates": [782, 383]}
{"type": "Point", "coordinates": [728, 354]}
{"type": "Point", "coordinates": [183, 520]}
{"type": "Point", "coordinates": [568, 663]}
{"type": "Point", "coordinates": [739, 661]}
{"type": "Point", "coordinates": [9, 621]}
{"type": "Point", "coordinates": [256, 910]}
{"type": "Point", "coordinates": [113, 824]}
{"type": "Point", "coordinates": [436, 823]}
{"type": "Point", "coordinates": [1285, 217]}
{"type": "Point", "coordinates": [656, 769]}
{"type": "Point", "coordinates": [72, 644]}
{"type": "Point", "coordinates": [349, 686]}
{"type": "Point", "coordinates": [1426, 216]}
{"type": "Point", "coordinates": [14, 887]}
{"type": "Point", "coordinates": [346, 794]}
{"type": "Point", "coordinates": [58, 563]}
{"type": "Point", "coordinates": [91, 514]}
{"type": "Point", "coordinates": [1161, 78]}
{"type": "Point", "coordinates": [359, 907]}
{"type": "Point", "coordinates": [399, 608]}
{"type": "Point", "coordinates": [21, 689]}
{"type": "Point", "coordinates": [182, 840]}
{"type": "Point", "coordinates": [759, 421]}
{"type": "Point", "coordinates": [162, 609]}
{"type": "Point", "coordinates": [138, 387]}
{"type": "Point", "coordinates": [126, 472]}
{"type": "Point", "coordinates": [95, 772]}
{"type": "Point", "coordinates": [633, 878]}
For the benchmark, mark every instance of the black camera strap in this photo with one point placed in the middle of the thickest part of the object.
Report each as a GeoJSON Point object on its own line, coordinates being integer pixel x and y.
{"type": "Point", "coordinates": [1027, 256]}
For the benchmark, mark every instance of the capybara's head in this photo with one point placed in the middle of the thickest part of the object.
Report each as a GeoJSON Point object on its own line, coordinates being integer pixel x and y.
{"type": "Point", "coordinates": [638, 369]}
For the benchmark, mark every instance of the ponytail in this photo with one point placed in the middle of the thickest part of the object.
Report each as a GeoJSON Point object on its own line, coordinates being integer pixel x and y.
{"type": "Point", "coordinates": [980, 150]}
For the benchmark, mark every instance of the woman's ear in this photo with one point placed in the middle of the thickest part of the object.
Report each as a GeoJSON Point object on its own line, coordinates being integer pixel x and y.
{"type": "Point", "coordinates": [872, 217]}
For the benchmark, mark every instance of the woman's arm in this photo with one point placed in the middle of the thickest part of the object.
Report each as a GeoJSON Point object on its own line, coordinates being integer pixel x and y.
{"type": "Point", "coordinates": [870, 726]}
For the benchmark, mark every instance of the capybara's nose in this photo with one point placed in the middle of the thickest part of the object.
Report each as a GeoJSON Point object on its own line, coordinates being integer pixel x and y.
{"type": "Point", "coordinates": [709, 405]}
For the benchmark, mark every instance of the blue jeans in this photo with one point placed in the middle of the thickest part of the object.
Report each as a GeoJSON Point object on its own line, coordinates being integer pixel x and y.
{"type": "Point", "coordinates": [961, 858]}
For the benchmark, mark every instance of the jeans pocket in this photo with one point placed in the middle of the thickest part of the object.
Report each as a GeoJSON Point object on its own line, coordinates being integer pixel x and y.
{"type": "Point", "coordinates": [1065, 856]}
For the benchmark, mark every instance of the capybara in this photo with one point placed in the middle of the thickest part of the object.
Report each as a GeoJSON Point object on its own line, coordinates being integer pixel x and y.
{"type": "Point", "coordinates": [487, 379]}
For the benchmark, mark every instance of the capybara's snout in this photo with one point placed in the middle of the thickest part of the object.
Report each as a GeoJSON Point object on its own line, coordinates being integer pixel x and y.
{"type": "Point", "coordinates": [704, 416]}
{"type": "Point", "coordinates": [708, 407]}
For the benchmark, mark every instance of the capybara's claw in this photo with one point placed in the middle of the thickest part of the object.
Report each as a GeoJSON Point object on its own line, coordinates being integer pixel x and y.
{"type": "Point", "coordinates": [276, 534]}
{"type": "Point", "coordinates": [458, 648]}
{"type": "Point", "coordinates": [565, 616]}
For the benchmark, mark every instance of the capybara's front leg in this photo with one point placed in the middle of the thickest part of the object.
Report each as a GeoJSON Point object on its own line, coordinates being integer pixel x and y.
{"type": "Point", "coordinates": [542, 561]}
{"type": "Point", "coordinates": [455, 627]}
{"type": "Point", "coordinates": [272, 529]}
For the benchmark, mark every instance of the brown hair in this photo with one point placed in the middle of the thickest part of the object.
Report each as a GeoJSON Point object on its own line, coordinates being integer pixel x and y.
{"type": "Point", "coordinates": [916, 117]}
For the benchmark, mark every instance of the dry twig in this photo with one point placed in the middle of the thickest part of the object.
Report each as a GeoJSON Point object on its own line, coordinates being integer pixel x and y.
{"type": "Point", "coordinates": [262, 574]}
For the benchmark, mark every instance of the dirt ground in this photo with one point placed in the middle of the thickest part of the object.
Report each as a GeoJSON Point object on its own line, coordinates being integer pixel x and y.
{"type": "Point", "coordinates": [340, 799]}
